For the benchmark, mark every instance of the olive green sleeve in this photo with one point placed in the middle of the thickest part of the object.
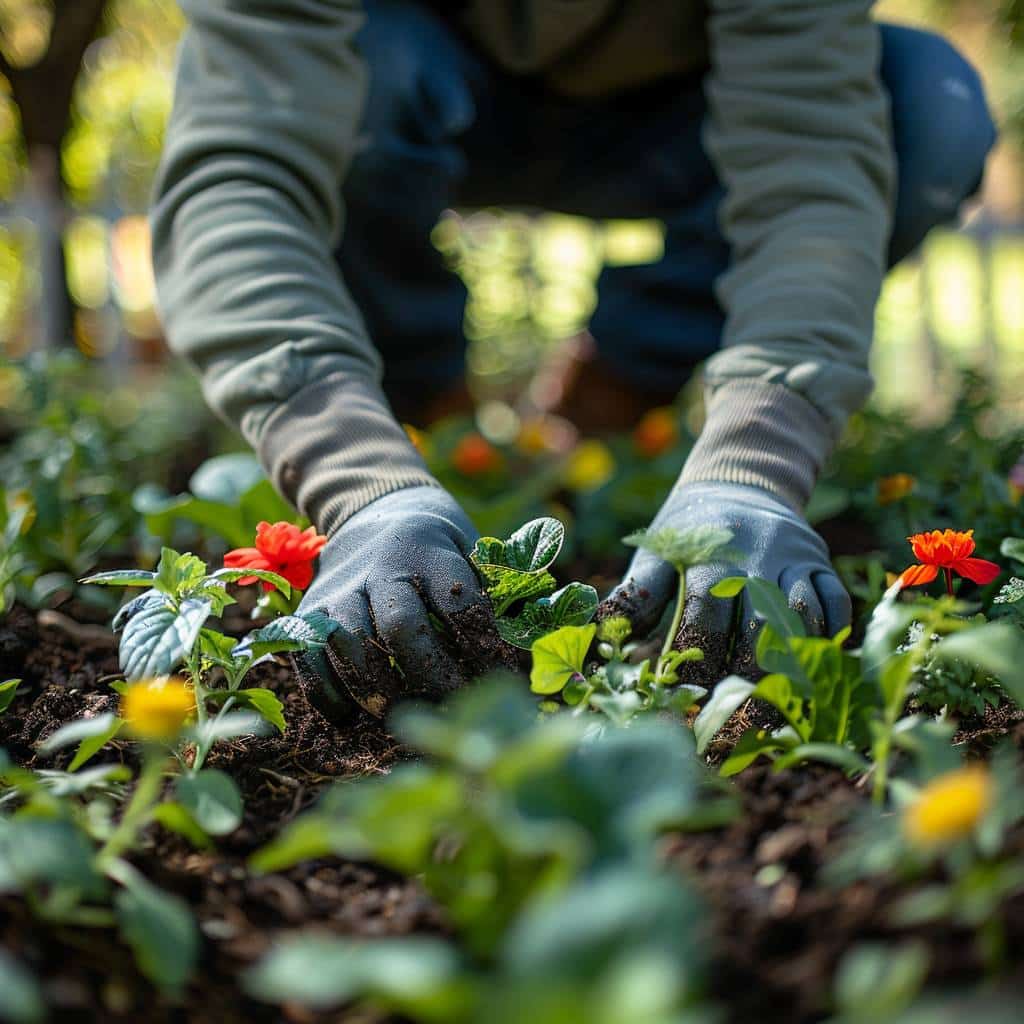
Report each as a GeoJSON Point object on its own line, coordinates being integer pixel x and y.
{"type": "Point", "coordinates": [246, 217]}
{"type": "Point", "coordinates": [799, 132]}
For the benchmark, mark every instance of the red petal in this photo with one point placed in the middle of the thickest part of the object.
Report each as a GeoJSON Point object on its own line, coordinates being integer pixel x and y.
{"type": "Point", "coordinates": [245, 558]}
{"type": "Point", "coordinates": [977, 570]}
{"type": "Point", "coordinates": [916, 575]}
{"type": "Point", "coordinates": [298, 574]}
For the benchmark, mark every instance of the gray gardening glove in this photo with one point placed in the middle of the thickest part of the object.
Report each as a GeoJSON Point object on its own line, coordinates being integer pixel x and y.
{"type": "Point", "coordinates": [383, 574]}
{"type": "Point", "coordinates": [770, 540]}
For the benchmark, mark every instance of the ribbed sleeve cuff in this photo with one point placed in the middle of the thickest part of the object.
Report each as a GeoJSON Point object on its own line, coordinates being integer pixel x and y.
{"type": "Point", "coordinates": [764, 435]}
{"type": "Point", "coordinates": [334, 447]}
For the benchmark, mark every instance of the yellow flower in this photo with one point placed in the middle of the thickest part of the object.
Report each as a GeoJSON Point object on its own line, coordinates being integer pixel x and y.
{"type": "Point", "coordinates": [156, 711]}
{"type": "Point", "coordinates": [895, 488]}
{"type": "Point", "coordinates": [949, 807]}
{"type": "Point", "coordinates": [589, 466]}
{"type": "Point", "coordinates": [420, 441]}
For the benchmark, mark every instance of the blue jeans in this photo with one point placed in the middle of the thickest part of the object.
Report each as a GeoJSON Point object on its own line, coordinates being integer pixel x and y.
{"type": "Point", "coordinates": [445, 128]}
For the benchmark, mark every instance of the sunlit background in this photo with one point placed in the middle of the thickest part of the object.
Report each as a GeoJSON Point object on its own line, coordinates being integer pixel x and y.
{"type": "Point", "coordinates": [74, 241]}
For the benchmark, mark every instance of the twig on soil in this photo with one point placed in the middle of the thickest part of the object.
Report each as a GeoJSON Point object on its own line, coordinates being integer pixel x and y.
{"type": "Point", "coordinates": [47, 617]}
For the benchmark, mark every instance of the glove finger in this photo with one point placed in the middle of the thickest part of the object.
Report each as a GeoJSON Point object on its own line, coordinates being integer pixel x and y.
{"type": "Point", "coordinates": [835, 601]}
{"type": "Point", "coordinates": [708, 620]}
{"type": "Point", "coordinates": [456, 597]}
{"type": "Point", "coordinates": [799, 589]}
{"type": "Point", "coordinates": [643, 595]}
{"type": "Point", "coordinates": [424, 667]}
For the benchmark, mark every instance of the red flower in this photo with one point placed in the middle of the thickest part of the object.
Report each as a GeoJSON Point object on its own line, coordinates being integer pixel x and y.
{"type": "Point", "coordinates": [949, 550]}
{"type": "Point", "coordinates": [475, 456]}
{"type": "Point", "coordinates": [282, 548]}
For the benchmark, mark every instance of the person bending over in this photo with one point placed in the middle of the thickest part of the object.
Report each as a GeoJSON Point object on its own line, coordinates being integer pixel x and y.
{"type": "Point", "coordinates": [793, 149]}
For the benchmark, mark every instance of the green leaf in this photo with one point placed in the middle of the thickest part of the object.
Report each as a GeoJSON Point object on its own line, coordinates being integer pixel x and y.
{"type": "Point", "coordinates": [532, 548]}
{"type": "Point", "coordinates": [878, 982]}
{"type": "Point", "coordinates": [233, 575]}
{"type": "Point", "coordinates": [156, 640]}
{"type": "Point", "coordinates": [506, 586]}
{"type": "Point", "coordinates": [1013, 547]}
{"type": "Point", "coordinates": [780, 691]}
{"type": "Point", "coordinates": [78, 731]}
{"type": "Point", "coordinates": [304, 839]}
{"type": "Point", "coordinates": [7, 691]}
{"type": "Point", "coordinates": [416, 975]}
{"type": "Point", "coordinates": [151, 599]}
{"type": "Point", "coordinates": [48, 850]}
{"type": "Point", "coordinates": [287, 633]}
{"type": "Point", "coordinates": [829, 753]}
{"type": "Point", "coordinates": [223, 479]}
{"type": "Point", "coordinates": [573, 605]}
{"type": "Point", "coordinates": [160, 930]}
{"type": "Point", "coordinates": [23, 997]}
{"type": "Point", "coordinates": [682, 549]}
{"type": "Point", "coordinates": [92, 745]}
{"type": "Point", "coordinates": [752, 745]}
{"type": "Point", "coordinates": [996, 647]}
{"type": "Point", "coordinates": [559, 656]}
{"type": "Point", "coordinates": [176, 818]}
{"type": "Point", "coordinates": [177, 573]}
{"type": "Point", "coordinates": [213, 799]}
{"type": "Point", "coordinates": [725, 698]}
{"type": "Point", "coordinates": [886, 630]}
{"type": "Point", "coordinates": [266, 703]}
{"type": "Point", "coordinates": [231, 726]}
{"type": "Point", "coordinates": [122, 578]}
{"type": "Point", "coordinates": [767, 600]}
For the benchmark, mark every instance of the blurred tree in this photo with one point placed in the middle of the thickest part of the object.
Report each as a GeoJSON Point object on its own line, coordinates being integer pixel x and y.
{"type": "Point", "coordinates": [40, 56]}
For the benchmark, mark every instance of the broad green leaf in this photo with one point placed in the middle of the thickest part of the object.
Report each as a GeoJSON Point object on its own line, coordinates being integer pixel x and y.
{"type": "Point", "coordinates": [46, 850]}
{"type": "Point", "coordinates": [620, 707]}
{"type": "Point", "coordinates": [22, 995]}
{"type": "Point", "coordinates": [1013, 547]}
{"type": "Point", "coordinates": [307, 838]}
{"type": "Point", "coordinates": [225, 478]}
{"type": "Point", "coordinates": [149, 600]}
{"type": "Point", "coordinates": [217, 647]}
{"type": "Point", "coordinates": [414, 974]}
{"type": "Point", "coordinates": [212, 798]}
{"type": "Point", "coordinates": [7, 691]}
{"type": "Point", "coordinates": [877, 981]}
{"type": "Point", "coordinates": [886, 630]}
{"type": "Point", "coordinates": [262, 502]}
{"type": "Point", "coordinates": [559, 656]}
{"type": "Point", "coordinates": [156, 640]}
{"type": "Point", "coordinates": [682, 549]}
{"type": "Point", "coordinates": [506, 586]}
{"type": "Point", "coordinates": [78, 731]}
{"type": "Point", "coordinates": [725, 698]}
{"type": "Point", "coordinates": [160, 930]}
{"type": "Point", "coordinates": [218, 520]}
{"type": "Point", "coordinates": [176, 818]}
{"type": "Point", "coordinates": [729, 587]}
{"type": "Point", "coordinates": [752, 745]}
{"type": "Point", "coordinates": [176, 573]}
{"type": "Point", "coordinates": [573, 605]}
{"type": "Point", "coordinates": [92, 745]}
{"type": "Point", "coordinates": [102, 778]}
{"type": "Point", "coordinates": [779, 691]}
{"type": "Point", "coordinates": [829, 753]}
{"type": "Point", "coordinates": [231, 726]}
{"type": "Point", "coordinates": [122, 578]}
{"type": "Point", "coordinates": [287, 633]}
{"type": "Point", "coordinates": [531, 549]}
{"type": "Point", "coordinates": [996, 648]}
{"type": "Point", "coordinates": [266, 703]}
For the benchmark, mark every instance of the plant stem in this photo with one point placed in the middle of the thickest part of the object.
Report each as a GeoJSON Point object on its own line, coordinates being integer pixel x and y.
{"type": "Point", "coordinates": [146, 792]}
{"type": "Point", "coordinates": [677, 615]}
{"type": "Point", "coordinates": [949, 582]}
{"type": "Point", "coordinates": [204, 749]}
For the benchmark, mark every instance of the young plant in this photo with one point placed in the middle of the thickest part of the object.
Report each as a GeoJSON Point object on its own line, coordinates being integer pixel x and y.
{"type": "Point", "coordinates": [167, 628]}
{"type": "Point", "coordinates": [14, 561]}
{"type": "Point", "coordinates": [522, 590]}
{"type": "Point", "coordinates": [621, 687]}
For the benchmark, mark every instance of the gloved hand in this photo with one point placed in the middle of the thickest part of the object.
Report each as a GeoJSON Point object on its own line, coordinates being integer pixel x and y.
{"type": "Point", "coordinates": [384, 572]}
{"type": "Point", "coordinates": [770, 540]}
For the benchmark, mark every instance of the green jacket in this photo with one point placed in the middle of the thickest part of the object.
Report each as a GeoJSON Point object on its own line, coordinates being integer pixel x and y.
{"type": "Point", "coordinates": [248, 212]}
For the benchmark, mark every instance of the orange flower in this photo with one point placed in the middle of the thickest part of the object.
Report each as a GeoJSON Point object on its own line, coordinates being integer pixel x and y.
{"type": "Point", "coordinates": [896, 487]}
{"type": "Point", "coordinates": [474, 456]}
{"type": "Point", "coordinates": [282, 548]}
{"type": "Point", "coordinates": [949, 550]}
{"type": "Point", "coordinates": [657, 432]}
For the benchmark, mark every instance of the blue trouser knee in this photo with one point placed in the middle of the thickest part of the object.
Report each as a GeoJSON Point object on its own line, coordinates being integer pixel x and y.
{"type": "Point", "coordinates": [445, 128]}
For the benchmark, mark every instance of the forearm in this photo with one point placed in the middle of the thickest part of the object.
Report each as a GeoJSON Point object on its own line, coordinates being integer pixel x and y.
{"type": "Point", "coordinates": [246, 218]}
{"type": "Point", "coordinates": [799, 132]}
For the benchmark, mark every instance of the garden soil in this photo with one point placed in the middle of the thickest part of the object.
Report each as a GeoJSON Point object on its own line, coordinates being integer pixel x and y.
{"type": "Point", "coordinates": [776, 931]}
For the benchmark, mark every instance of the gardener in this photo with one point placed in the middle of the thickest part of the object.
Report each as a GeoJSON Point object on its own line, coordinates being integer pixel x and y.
{"type": "Point", "coordinates": [311, 151]}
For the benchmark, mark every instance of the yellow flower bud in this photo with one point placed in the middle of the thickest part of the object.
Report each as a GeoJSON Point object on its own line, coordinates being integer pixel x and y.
{"type": "Point", "coordinates": [589, 466]}
{"type": "Point", "coordinates": [157, 711]}
{"type": "Point", "coordinates": [895, 488]}
{"type": "Point", "coordinates": [949, 808]}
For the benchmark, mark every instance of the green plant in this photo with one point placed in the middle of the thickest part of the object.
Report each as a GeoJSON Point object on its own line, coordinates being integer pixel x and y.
{"type": "Point", "coordinates": [14, 562]}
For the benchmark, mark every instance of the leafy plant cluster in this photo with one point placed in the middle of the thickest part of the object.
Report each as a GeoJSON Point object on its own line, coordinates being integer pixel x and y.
{"type": "Point", "coordinates": [536, 836]}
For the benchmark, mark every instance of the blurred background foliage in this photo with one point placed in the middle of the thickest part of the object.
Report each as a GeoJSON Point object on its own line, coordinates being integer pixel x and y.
{"type": "Point", "coordinates": [74, 243]}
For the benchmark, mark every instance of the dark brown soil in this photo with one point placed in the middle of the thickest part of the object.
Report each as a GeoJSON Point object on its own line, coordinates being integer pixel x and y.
{"type": "Point", "coordinates": [779, 930]}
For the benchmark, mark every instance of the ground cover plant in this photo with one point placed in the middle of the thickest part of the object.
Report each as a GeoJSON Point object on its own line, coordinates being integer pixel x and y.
{"type": "Point", "coordinates": [599, 837]}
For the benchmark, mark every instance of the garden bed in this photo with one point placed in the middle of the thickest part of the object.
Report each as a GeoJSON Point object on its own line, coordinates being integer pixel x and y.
{"type": "Point", "coordinates": [777, 931]}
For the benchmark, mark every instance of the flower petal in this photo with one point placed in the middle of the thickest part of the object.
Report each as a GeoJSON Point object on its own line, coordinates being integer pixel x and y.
{"type": "Point", "coordinates": [246, 558]}
{"type": "Point", "coordinates": [978, 570]}
{"type": "Point", "coordinates": [916, 575]}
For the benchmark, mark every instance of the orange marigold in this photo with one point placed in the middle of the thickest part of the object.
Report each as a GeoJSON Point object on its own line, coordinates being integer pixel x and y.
{"type": "Point", "coordinates": [657, 432]}
{"type": "Point", "coordinates": [950, 551]}
{"type": "Point", "coordinates": [282, 548]}
{"type": "Point", "coordinates": [475, 455]}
